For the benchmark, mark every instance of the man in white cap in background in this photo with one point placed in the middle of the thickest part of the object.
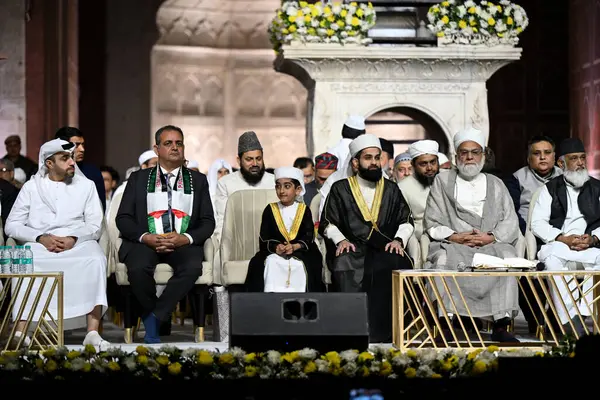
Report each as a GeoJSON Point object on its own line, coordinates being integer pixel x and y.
{"type": "Point", "coordinates": [470, 212]}
{"type": "Point", "coordinates": [193, 165]}
{"type": "Point", "coordinates": [58, 213]}
{"type": "Point", "coordinates": [147, 159]}
{"type": "Point", "coordinates": [353, 128]}
{"type": "Point", "coordinates": [369, 222]}
{"type": "Point", "coordinates": [443, 161]}
{"type": "Point", "coordinates": [402, 166]}
{"type": "Point", "coordinates": [251, 175]}
{"type": "Point", "coordinates": [415, 187]}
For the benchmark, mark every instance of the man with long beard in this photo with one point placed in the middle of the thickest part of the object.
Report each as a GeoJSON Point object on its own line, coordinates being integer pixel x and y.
{"type": "Point", "coordinates": [566, 217]}
{"type": "Point", "coordinates": [415, 188]}
{"type": "Point", "coordinates": [369, 222]}
{"type": "Point", "coordinates": [251, 175]}
{"type": "Point", "coordinates": [470, 212]}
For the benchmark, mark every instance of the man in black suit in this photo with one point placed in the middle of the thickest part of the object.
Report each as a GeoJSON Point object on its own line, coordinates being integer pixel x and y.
{"type": "Point", "coordinates": [165, 216]}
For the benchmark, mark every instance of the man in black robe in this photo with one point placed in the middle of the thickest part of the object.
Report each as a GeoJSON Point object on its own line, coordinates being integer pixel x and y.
{"type": "Point", "coordinates": [369, 222]}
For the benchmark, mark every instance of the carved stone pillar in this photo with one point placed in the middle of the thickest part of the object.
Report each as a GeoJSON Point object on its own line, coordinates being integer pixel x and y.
{"type": "Point", "coordinates": [212, 75]}
{"type": "Point", "coordinates": [446, 83]}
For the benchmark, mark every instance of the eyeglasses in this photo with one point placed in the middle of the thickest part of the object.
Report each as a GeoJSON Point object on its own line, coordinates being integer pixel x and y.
{"type": "Point", "coordinates": [464, 153]}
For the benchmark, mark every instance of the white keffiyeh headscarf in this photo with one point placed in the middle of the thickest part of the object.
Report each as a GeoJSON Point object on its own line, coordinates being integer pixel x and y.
{"type": "Point", "coordinates": [47, 150]}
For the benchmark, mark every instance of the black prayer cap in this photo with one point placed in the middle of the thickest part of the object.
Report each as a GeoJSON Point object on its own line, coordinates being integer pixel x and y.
{"type": "Point", "coordinates": [387, 146]}
{"type": "Point", "coordinates": [569, 146]}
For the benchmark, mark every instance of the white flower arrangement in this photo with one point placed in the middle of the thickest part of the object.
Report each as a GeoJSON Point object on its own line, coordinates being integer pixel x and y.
{"type": "Point", "coordinates": [477, 22]}
{"type": "Point", "coordinates": [330, 22]}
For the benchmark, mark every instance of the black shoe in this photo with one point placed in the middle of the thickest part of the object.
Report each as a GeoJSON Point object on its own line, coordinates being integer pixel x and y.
{"type": "Point", "coordinates": [165, 328]}
{"type": "Point", "coordinates": [502, 336]}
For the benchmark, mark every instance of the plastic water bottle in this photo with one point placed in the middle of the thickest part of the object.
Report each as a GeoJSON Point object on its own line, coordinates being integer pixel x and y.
{"type": "Point", "coordinates": [5, 260]}
{"type": "Point", "coordinates": [27, 260]}
{"type": "Point", "coordinates": [16, 260]}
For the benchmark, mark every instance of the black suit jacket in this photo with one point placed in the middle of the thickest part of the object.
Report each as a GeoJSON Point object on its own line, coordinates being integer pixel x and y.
{"type": "Point", "coordinates": [132, 217]}
{"type": "Point", "coordinates": [8, 195]}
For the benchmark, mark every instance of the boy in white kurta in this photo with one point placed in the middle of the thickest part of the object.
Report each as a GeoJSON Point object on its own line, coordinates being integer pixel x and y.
{"type": "Point", "coordinates": [288, 259]}
{"type": "Point", "coordinates": [58, 213]}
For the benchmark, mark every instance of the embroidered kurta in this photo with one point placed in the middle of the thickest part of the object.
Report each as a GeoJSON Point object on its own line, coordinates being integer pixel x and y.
{"type": "Point", "coordinates": [77, 212]}
{"type": "Point", "coordinates": [300, 272]}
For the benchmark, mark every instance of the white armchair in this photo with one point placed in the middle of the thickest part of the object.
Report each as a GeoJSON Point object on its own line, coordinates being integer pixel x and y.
{"type": "Point", "coordinates": [530, 240]}
{"type": "Point", "coordinates": [162, 274]}
{"type": "Point", "coordinates": [241, 230]}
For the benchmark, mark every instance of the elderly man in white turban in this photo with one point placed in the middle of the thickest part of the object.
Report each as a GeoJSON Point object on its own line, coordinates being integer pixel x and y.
{"type": "Point", "coordinates": [402, 166]}
{"type": "Point", "coordinates": [415, 187]}
{"type": "Point", "coordinates": [369, 223]}
{"type": "Point", "coordinates": [470, 212]}
{"type": "Point", "coordinates": [58, 213]}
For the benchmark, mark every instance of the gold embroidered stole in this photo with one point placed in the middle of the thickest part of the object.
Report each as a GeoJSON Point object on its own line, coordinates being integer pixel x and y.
{"type": "Point", "coordinates": [291, 235]}
{"type": "Point", "coordinates": [368, 215]}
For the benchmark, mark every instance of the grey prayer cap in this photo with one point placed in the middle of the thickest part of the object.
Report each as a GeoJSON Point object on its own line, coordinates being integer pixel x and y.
{"type": "Point", "coordinates": [248, 142]}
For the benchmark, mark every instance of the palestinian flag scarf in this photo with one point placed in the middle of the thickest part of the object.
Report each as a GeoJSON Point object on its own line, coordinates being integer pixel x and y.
{"type": "Point", "coordinates": [161, 219]}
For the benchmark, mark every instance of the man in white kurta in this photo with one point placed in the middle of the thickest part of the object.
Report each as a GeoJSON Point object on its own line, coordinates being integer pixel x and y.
{"type": "Point", "coordinates": [58, 213]}
{"type": "Point", "coordinates": [251, 176]}
{"type": "Point", "coordinates": [566, 217]}
{"type": "Point", "coordinates": [415, 188]}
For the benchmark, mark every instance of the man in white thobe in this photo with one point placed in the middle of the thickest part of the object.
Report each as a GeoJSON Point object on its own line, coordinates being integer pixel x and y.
{"type": "Point", "coordinates": [566, 217]}
{"type": "Point", "coordinates": [353, 128]}
{"type": "Point", "coordinates": [58, 213]}
{"type": "Point", "coordinates": [415, 188]}
{"type": "Point", "coordinates": [251, 176]}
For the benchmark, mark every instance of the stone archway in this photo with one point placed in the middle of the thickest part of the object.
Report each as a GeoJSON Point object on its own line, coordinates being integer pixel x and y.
{"type": "Point", "coordinates": [446, 83]}
{"type": "Point", "coordinates": [403, 125]}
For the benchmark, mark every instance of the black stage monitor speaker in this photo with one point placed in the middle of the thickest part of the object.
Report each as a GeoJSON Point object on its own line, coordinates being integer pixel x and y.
{"type": "Point", "coordinates": [292, 321]}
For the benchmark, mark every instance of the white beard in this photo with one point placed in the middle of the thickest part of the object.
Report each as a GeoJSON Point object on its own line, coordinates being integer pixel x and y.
{"type": "Point", "coordinates": [469, 171]}
{"type": "Point", "coordinates": [577, 178]}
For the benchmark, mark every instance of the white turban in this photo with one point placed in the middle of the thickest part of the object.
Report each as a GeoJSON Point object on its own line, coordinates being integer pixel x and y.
{"type": "Point", "coordinates": [291, 173]}
{"type": "Point", "coordinates": [363, 142]}
{"type": "Point", "coordinates": [355, 122]}
{"type": "Point", "coordinates": [193, 164]}
{"type": "Point", "coordinates": [423, 147]}
{"type": "Point", "coordinates": [469, 134]}
{"type": "Point", "coordinates": [146, 156]}
{"type": "Point", "coordinates": [442, 159]}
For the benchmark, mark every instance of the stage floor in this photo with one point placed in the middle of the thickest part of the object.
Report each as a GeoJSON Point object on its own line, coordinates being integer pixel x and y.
{"type": "Point", "coordinates": [182, 336]}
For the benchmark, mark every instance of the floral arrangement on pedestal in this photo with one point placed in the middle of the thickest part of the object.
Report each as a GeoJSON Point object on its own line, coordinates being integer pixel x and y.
{"type": "Point", "coordinates": [171, 363]}
{"type": "Point", "coordinates": [322, 22]}
{"type": "Point", "coordinates": [477, 22]}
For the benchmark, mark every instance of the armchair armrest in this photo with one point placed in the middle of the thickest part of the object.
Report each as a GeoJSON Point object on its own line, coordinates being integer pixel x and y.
{"type": "Point", "coordinates": [530, 245]}
{"type": "Point", "coordinates": [209, 251]}
{"type": "Point", "coordinates": [521, 246]}
{"type": "Point", "coordinates": [414, 250]}
{"type": "Point", "coordinates": [425, 241]}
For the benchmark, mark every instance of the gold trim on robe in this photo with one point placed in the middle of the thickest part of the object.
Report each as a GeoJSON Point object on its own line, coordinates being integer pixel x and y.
{"type": "Point", "coordinates": [291, 235]}
{"type": "Point", "coordinates": [371, 215]}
